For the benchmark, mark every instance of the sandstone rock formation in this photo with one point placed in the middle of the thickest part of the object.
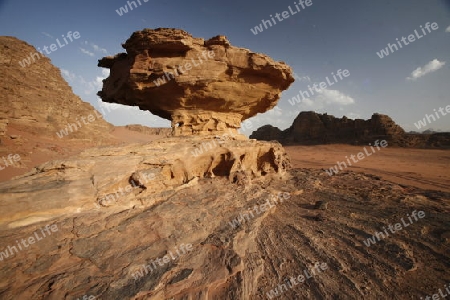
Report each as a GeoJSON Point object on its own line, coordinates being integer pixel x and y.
{"type": "Point", "coordinates": [36, 103]}
{"type": "Point", "coordinates": [36, 99]}
{"type": "Point", "coordinates": [203, 87]}
{"type": "Point", "coordinates": [115, 211]}
{"type": "Point", "coordinates": [311, 128]}
{"type": "Point", "coordinates": [267, 133]}
{"type": "Point", "coordinates": [213, 216]}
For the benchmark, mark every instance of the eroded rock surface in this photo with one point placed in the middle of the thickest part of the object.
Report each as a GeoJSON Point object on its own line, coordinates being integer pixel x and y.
{"type": "Point", "coordinates": [40, 116]}
{"type": "Point", "coordinates": [237, 253]}
{"type": "Point", "coordinates": [203, 87]}
{"type": "Point", "coordinates": [156, 167]}
{"type": "Point", "coordinates": [35, 98]}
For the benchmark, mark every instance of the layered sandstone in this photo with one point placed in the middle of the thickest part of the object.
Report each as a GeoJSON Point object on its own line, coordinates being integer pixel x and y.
{"type": "Point", "coordinates": [203, 87]}
{"type": "Point", "coordinates": [117, 210]}
{"type": "Point", "coordinates": [37, 104]}
{"type": "Point", "coordinates": [36, 99]}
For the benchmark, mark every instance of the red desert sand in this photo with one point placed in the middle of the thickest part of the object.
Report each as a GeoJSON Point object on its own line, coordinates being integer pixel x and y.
{"type": "Point", "coordinates": [422, 168]}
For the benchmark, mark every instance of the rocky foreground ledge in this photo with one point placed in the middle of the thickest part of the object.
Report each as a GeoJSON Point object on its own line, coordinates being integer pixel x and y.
{"type": "Point", "coordinates": [123, 176]}
{"type": "Point", "coordinates": [163, 221]}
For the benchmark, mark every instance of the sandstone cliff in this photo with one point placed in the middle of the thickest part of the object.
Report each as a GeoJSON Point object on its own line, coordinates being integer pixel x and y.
{"type": "Point", "coordinates": [36, 99]}
{"type": "Point", "coordinates": [37, 106]}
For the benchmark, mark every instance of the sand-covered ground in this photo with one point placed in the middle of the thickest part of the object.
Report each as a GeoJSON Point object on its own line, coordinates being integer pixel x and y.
{"type": "Point", "coordinates": [35, 150]}
{"type": "Point", "coordinates": [422, 168]}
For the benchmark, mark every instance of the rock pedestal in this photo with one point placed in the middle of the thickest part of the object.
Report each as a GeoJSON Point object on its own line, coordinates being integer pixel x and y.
{"type": "Point", "coordinates": [203, 87]}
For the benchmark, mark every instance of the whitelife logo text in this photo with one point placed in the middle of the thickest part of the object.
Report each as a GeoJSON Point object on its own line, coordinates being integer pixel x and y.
{"type": "Point", "coordinates": [411, 38]}
{"type": "Point", "coordinates": [318, 88]}
{"type": "Point", "coordinates": [53, 47]}
{"type": "Point", "coordinates": [9, 162]}
{"type": "Point", "coordinates": [394, 228]}
{"type": "Point", "coordinates": [360, 156]}
{"type": "Point", "coordinates": [35, 237]}
{"type": "Point", "coordinates": [281, 17]}
{"type": "Point", "coordinates": [162, 261]}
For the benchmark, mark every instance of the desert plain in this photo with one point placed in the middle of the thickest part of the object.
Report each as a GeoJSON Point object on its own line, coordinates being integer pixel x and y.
{"type": "Point", "coordinates": [422, 168]}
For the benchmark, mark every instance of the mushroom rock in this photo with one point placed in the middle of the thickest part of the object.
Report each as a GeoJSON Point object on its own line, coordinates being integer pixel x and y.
{"type": "Point", "coordinates": [203, 87]}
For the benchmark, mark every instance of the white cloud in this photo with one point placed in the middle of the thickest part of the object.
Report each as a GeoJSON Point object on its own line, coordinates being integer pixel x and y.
{"type": "Point", "coordinates": [430, 67]}
{"type": "Point", "coordinates": [99, 49]}
{"type": "Point", "coordinates": [322, 100]}
{"type": "Point", "coordinates": [276, 111]}
{"type": "Point", "coordinates": [302, 78]}
{"type": "Point", "coordinates": [352, 115]}
{"type": "Point", "coordinates": [88, 87]}
{"type": "Point", "coordinates": [308, 102]}
{"type": "Point", "coordinates": [95, 47]}
{"type": "Point", "coordinates": [325, 99]}
{"type": "Point", "coordinates": [86, 52]}
{"type": "Point", "coordinates": [47, 34]}
{"type": "Point", "coordinates": [114, 106]}
{"type": "Point", "coordinates": [98, 82]}
{"type": "Point", "coordinates": [447, 29]}
{"type": "Point", "coordinates": [69, 75]}
{"type": "Point", "coordinates": [334, 97]}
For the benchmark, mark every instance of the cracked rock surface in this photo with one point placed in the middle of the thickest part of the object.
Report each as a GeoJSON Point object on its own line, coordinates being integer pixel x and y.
{"type": "Point", "coordinates": [162, 205]}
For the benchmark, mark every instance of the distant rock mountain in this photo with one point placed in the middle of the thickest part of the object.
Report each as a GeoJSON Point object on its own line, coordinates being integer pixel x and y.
{"type": "Point", "coordinates": [310, 128]}
{"type": "Point", "coordinates": [430, 131]}
{"type": "Point", "coordinates": [313, 128]}
{"type": "Point", "coordinates": [164, 131]}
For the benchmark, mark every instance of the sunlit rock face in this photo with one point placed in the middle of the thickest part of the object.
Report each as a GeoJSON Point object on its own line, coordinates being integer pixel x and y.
{"type": "Point", "coordinates": [203, 87]}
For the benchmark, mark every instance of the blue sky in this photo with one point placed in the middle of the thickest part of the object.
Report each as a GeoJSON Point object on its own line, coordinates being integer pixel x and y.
{"type": "Point", "coordinates": [320, 39]}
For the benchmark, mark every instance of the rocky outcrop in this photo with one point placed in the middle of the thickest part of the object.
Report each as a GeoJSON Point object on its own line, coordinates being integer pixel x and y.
{"type": "Point", "coordinates": [139, 222]}
{"type": "Point", "coordinates": [95, 187]}
{"type": "Point", "coordinates": [40, 117]}
{"type": "Point", "coordinates": [311, 128]}
{"type": "Point", "coordinates": [203, 87]}
{"type": "Point", "coordinates": [267, 133]}
{"type": "Point", "coordinates": [36, 99]}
